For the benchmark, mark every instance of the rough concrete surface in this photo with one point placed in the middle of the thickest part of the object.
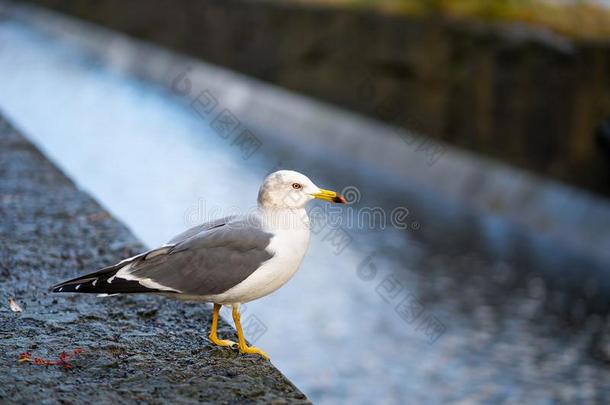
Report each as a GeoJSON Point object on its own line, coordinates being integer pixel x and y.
{"type": "Point", "coordinates": [135, 348]}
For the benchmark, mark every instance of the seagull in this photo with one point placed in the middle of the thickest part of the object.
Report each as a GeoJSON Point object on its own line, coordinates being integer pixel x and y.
{"type": "Point", "coordinates": [229, 261]}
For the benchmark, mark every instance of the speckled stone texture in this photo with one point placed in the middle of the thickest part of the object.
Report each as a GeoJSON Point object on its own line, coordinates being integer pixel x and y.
{"type": "Point", "coordinates": [136, 348]}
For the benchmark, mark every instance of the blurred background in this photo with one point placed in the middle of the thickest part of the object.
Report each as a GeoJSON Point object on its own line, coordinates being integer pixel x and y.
{"type": "Point", "coordinates": [471, 138]}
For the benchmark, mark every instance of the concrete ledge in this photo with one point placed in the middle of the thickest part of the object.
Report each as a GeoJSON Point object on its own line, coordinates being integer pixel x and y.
{"type": "Point", "coordinates": [136, 348]}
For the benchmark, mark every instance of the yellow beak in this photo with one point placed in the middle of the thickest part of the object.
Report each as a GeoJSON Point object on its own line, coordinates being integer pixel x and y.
{"type": "Point", "coordinates": [331, 196]}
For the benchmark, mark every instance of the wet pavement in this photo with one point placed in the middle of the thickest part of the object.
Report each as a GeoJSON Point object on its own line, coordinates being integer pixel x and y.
{"type": "Point", "coordinates": [135, 349]}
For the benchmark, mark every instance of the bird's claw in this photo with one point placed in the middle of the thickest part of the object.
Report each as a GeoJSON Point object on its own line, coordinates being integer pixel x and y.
{"type": "Point", "coordinates": [222, 342]}
{"type": "Point", "coordinates": [253, 350]}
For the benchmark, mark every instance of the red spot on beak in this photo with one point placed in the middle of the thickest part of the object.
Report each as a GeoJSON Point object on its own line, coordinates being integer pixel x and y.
{"type": "Point", "coordinates": [339, 199]}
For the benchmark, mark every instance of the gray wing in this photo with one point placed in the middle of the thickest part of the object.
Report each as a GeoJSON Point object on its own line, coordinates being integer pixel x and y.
{"type": "Point", "coordinates": [210, 261]}
{"type": "Point", "coordinates": [204, 260]}
{"type": "Point", "coordinates": [200, 228]}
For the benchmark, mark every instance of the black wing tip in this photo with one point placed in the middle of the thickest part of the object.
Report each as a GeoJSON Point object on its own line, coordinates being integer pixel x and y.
{"type": "Point", "coordinates": [58, 287]}
{"type": "Point", "coordinates": [102, 286]}
{"type": "Point", "coordinates": [82, 284]}
{"type": "Point", "coordinates": [104, 282]}
{"type": "Point", "coordinates": [61, 288]}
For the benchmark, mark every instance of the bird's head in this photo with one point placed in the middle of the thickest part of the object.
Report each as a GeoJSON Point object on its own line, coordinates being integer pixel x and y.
{"type": "Point", "coordinates": [290, 189]}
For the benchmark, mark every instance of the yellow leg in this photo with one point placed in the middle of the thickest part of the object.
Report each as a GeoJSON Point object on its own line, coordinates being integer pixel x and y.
{"type": "Point", "coordinates": [213, 337]}
{"type": "Point", "coordinates": [243, 347]}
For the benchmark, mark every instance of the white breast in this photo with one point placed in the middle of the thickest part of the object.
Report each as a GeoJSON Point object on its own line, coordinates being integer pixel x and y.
{"type": "Point", "coordinates": [288, 245]}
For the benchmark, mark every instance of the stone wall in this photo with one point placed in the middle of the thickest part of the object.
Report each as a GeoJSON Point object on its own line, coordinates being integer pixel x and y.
{"type": "Point", "coordinates": [520, 94]}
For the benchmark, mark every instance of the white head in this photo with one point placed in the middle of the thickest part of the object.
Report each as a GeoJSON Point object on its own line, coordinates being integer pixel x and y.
{"type": "Point", "coordinates": [290, 189]}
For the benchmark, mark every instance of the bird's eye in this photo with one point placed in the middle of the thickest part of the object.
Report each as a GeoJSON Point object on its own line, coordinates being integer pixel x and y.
{"type": "Point", "coordinates": [297, 186]}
